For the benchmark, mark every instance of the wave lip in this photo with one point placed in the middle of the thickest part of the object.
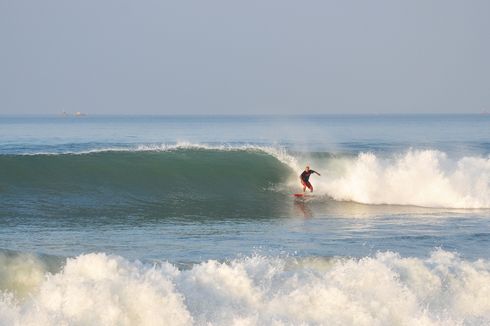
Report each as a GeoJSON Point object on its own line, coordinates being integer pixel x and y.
{"type": "Point", "coordinates": [382, 290]}
{"type": "Point", "coordinates": [165, 147]}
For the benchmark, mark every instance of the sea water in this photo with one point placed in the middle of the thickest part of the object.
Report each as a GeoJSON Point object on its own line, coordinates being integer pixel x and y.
{"type": "Point", "coordinates": [190, 220]}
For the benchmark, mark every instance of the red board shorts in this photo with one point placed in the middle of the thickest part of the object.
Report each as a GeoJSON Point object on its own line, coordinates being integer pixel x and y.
{"type": "Point", "coordinates": [307, 184]}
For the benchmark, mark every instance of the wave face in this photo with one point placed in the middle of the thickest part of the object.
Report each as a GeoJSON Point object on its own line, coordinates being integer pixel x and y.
{"type": "Point", "coordinates": [176, 181]}
{"type": "Point", "coordinates": [99, 289]}
{"type": "Point", "coordinates": [161, 171]}
{"type": "Point", "coordinates": [188, 179]}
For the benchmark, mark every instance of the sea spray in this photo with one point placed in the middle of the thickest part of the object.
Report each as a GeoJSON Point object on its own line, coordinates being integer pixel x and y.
{"type": "Point", "coordinates": [418, 177]}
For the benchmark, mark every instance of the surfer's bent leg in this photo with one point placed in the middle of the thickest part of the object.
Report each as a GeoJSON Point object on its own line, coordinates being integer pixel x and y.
{"type": "Point", "coordinates": [308, 184]}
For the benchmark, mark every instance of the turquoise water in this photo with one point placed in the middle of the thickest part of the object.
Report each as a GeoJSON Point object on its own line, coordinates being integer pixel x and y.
{"type": "Point", "coordinates": [403, 197]}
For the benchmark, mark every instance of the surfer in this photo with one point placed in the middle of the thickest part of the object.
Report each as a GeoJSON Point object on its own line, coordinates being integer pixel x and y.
{"type": "Point", "coordinates": [305, 176]}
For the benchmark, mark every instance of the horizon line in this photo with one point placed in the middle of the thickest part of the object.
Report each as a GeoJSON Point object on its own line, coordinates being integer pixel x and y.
{"type": "Point", "coordinates": [82, 115]}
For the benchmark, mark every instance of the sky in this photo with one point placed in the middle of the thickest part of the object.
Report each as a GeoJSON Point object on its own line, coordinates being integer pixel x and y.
{"type": "Point", "coordinates": [244, 57]}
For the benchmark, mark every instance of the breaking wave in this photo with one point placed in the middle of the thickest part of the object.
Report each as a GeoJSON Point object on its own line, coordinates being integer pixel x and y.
{"type": "Point", "coordinates": [418, 177]}
{"type": "Point", "coordinates": [186, 171]}
{"type": "Point", "coordinates": [99, 289]}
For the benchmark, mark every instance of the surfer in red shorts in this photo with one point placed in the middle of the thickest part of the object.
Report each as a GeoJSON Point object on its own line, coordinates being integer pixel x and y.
{"type": "Point", "coordinates": [305, 176]}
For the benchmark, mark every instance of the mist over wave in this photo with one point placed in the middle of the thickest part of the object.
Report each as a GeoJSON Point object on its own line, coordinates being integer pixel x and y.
{"type": "Point", "coordinates": [100, 289]}
{"type": "Point", "coordinates": [418, 177]}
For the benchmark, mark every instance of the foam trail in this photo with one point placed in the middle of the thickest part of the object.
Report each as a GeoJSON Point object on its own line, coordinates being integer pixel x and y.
{"type": "Point", "coordinates": [418, 177]}
{"type": "Point", "coordinates": [97, 289]}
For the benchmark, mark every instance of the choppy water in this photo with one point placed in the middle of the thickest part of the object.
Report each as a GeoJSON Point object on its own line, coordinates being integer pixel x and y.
{"type": "Point", "coordinates": [195, 214]}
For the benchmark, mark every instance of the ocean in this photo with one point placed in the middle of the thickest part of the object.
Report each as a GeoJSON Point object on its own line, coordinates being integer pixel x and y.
{"type": "Point", "coordinates": [191, 220]}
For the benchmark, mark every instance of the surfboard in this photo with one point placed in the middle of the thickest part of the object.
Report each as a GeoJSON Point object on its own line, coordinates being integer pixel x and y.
{"type": "Point", "coordinates": [298, 195]}
{"type": "Point", "coordinates": [303, 197]}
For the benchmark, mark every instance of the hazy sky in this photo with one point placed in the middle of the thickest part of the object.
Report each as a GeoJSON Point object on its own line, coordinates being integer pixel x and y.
{"type": "Point", "coordinates": [250, 56]}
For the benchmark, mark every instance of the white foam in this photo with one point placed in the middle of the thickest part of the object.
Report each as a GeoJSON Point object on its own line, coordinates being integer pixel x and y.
{"type": "Point", "coordinates": [97, 289]}
{"type": "Point", "coordinates": [418, 177]}
{"type": "Point", "coordinates": [20, 273]}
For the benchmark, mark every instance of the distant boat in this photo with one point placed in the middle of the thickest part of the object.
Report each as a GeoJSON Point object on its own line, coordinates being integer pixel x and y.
{"type": "Point", "coordinates": [79, 114]}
